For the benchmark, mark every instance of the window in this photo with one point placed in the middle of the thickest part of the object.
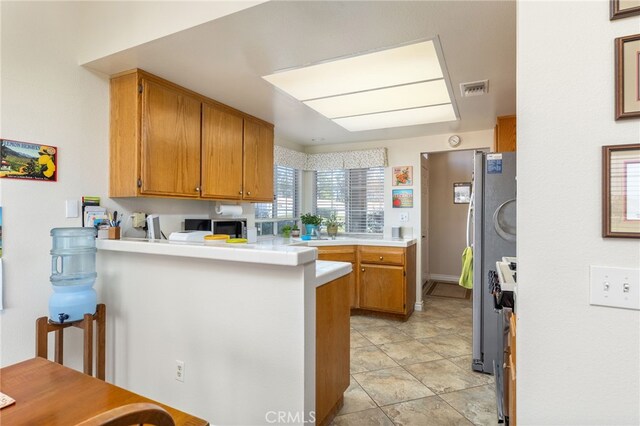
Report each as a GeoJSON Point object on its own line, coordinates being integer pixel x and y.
{"type": "Point", "coordinates": [356, 196]}
{"type": "Point", "coordinates": [285, 209]}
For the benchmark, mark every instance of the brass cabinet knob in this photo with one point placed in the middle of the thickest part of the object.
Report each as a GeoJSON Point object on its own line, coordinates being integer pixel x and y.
{"type": "Point", "coordinates": [380, 257]}
{"type": "Point", "coordinates": [197, 189]}
{"type": "Point", "coordinates": [248, 192]}
{"type": "Point", "coordinates": [362, 269]}
{"type": "Point", "coordinates": [240, 192]}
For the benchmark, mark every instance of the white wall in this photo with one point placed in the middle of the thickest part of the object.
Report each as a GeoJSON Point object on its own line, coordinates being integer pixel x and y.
{"type": "Point", "coordinates": [406, 152]}
{"type": "Point", "coordinates": [577, 364]}
{"type": "Point", "coordinates": [241, 336]}
{"type": "Point", "coordinates": [109, 27]}
{"type": "Point", "coordinates": [47, 98]}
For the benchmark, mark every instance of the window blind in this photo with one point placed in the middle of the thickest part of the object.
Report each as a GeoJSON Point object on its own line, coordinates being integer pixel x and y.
{"type": "Point", "coordinates": [356, 196]}
{"type": "Point", "coordinates": [286, 195]}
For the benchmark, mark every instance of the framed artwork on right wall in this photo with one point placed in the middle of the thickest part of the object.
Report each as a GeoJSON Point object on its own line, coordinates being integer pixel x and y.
{"type": "Point", "coordinates": [623, 8]}
{"type": "Point", "coordinates": [627, 76]}
{"type": "Point", "coordinates": [621, 191]}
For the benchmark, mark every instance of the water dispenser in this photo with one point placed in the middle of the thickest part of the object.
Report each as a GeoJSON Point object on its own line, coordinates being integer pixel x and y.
{"type": "Point", "coordinates": [73, 273]}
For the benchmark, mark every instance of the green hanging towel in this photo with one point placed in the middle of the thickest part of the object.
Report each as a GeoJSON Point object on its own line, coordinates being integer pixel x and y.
{"type": "Point", "coordinates": [466, 278]}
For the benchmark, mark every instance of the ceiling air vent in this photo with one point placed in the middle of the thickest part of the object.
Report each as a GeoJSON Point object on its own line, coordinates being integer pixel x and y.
{"type": "Point", "coordinates": [475, 88]}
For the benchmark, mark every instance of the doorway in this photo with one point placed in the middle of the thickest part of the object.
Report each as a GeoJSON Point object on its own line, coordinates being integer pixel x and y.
{"type": "Point", "coordinates": [444, 220]}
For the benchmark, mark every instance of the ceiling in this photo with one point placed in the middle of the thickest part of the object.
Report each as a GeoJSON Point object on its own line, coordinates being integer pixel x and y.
{"type": "Point", "coordinates": [225, 59]}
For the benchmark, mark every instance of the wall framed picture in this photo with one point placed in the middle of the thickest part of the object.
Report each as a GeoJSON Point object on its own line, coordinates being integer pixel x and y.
{"type": "Point", "coordinates": [462, 193]}
{"type": "Point", "coordinates": [402, 176]}
{"type": "Point", "coordinates": [623, 8]}
{"type": "Point", "coordinates": [23, 160]}
{"type": "Point", "coordinates": [402, 198]}
{"type": "Point", "coordinates": [621, 191]}
{"type": "Point", "coordinates": [627, 76]}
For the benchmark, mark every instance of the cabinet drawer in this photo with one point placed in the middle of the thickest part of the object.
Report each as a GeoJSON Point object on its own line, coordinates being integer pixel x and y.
{"type": "Point", "coordinates": [382, 255]}
{"type": "Point", "coordinates": [337, 253]}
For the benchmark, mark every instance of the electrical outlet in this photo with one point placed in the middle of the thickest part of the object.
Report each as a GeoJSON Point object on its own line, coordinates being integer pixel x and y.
{"type": "Point", "coordinates": [404, 217]}
{"type": "Point", "coordinates": [139, 220]}
{"type": "Point", "coordinates": [180, 371]}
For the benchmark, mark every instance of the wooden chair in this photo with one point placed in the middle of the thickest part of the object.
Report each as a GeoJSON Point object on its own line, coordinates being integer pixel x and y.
{"type": "Point", "coordinates": [44, 327]}
{"type": "Point", "coordinates": [132, 414]}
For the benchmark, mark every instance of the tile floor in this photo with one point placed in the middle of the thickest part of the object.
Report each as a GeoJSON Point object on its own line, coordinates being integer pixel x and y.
{"type": "Point", "coordinates": [417, 372]}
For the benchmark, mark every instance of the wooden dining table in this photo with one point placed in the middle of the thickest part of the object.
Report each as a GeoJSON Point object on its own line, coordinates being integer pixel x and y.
{"type": "Point", "coordinates": [47, 393]}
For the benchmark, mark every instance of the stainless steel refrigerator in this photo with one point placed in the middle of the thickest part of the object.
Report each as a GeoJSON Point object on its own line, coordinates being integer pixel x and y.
{"type": "Point", "coordinates": [493, 216]}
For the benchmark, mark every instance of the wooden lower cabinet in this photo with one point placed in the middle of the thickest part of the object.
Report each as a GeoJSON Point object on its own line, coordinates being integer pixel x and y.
{"type": "Point", "coordinates": [343, 254]}
{"type": "Point", "coordinates": [510, 372]}
{"type": "Point", "coordinates": [332, 348]}
{"type": "Point", "coordinates": [383, 279]}
{"type": "Point", "coordinates": [382, 288]}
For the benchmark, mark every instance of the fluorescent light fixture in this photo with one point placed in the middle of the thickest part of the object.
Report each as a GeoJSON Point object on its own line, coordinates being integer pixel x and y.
{"type": "Point", "coordinates": [388, 99]}
{"type": "Point", "coordinates": [390, 86]}
{"type": "Point", "coordinates": [407, 117]}
{"type": "Point", "coordinates": [401, 65]}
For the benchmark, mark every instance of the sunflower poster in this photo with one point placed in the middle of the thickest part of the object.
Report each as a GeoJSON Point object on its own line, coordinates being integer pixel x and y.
{"type": "Point", "coordinates": [403, 176]}
{"type": "Point", "coordinates": [22, 160]}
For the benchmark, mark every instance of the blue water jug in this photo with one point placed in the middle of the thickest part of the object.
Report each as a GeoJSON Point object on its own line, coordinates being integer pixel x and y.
{"type": "Point", "coordinates": [73, 273]}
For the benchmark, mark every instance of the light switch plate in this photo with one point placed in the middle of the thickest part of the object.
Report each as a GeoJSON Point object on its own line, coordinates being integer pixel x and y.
{"type": "Point", "coordinates": [71, 208]}
{"type": "Point", "coordinates": [404, 217]}
{"type": "Point", "coordinates": [615, 287]}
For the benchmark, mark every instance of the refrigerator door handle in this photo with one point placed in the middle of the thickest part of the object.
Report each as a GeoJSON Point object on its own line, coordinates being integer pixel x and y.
{"type": "Point", "coordinates": [503, 233]}
{"type": "Point", "coordinates": [469, 218]}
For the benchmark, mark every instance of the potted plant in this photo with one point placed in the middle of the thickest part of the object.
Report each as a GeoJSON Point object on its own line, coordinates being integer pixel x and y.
{"type": "Point", "coordinates": [286, 231]}
{"type": "Point", "coordinates": [295, 231]}
{"type": "Point", "coordinates": [332, 224]}
{"type": "Point", "coordinates": [310, 222]}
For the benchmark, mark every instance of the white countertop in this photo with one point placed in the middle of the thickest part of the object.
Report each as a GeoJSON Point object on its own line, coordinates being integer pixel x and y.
{"type": "Point", "coordinates": [340, 241]}
{"type": "Point", "coordinates": [274, 251]}
{"type": "Point", "coordinates": [327, 271]}
{"type": "Point", "coordinates": [285, 255]}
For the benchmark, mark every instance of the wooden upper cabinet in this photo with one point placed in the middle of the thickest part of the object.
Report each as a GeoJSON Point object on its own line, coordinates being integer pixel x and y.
{"type": "Point", "coordinates": [170, 141]}
{"type": "Point", "coordinates": [221, 153]}
{"type": "Point", "coordinates": [258, 161]}
{"type": "Point", "coordinates": [167, 141]}
{"type": "Point", "coordinates": [505, 134]}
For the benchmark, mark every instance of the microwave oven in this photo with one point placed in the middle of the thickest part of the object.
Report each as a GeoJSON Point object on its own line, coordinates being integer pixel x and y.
{"type": "Point", "coordinates": [235, 228]}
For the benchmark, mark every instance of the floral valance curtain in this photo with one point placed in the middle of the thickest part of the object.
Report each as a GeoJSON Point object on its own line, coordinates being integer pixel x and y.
{"type": "Point", "coordinates": [330, 160]}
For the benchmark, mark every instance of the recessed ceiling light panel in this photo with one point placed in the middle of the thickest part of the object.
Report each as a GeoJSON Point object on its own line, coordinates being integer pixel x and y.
{"type": "Point", "coordinates": [408, 117]}
{"type": "Point", "coordinates": [401, 86]}
{"type": "Point", "coordinates": [391, 67]}
{"type": "Point", "coordinates": [388, 99]}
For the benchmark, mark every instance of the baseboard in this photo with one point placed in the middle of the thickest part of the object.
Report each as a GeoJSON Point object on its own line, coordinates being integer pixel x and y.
{"type": "Point", "coordinates": [445, 278]}
{"type": "Point", "coordinates": [419, 306]}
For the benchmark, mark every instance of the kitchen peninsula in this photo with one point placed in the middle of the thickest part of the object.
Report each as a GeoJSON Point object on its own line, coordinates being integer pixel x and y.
{"type": "Point", "coordinates": [260, 330]}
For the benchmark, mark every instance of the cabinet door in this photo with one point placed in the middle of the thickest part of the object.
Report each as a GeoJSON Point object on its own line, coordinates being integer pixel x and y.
{"type": "Point", "coordinates": [258, 161]}
{"type": "Point", "coordinates": [332, 346]}
{"type": "Point", "coordinates": [505, 134]}
{"type": "Point", "coordinates": [221, 154]}
{"type": "Point", "coordinates": [382, 288]}
{"type": "Point", "coordinates": [343, 254]}
{"type": "Point", "coordinates": [170, 141]}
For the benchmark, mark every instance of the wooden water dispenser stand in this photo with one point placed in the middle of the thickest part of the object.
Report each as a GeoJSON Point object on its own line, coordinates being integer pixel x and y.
{"type": "Point", "coordinates": [44, 326]}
